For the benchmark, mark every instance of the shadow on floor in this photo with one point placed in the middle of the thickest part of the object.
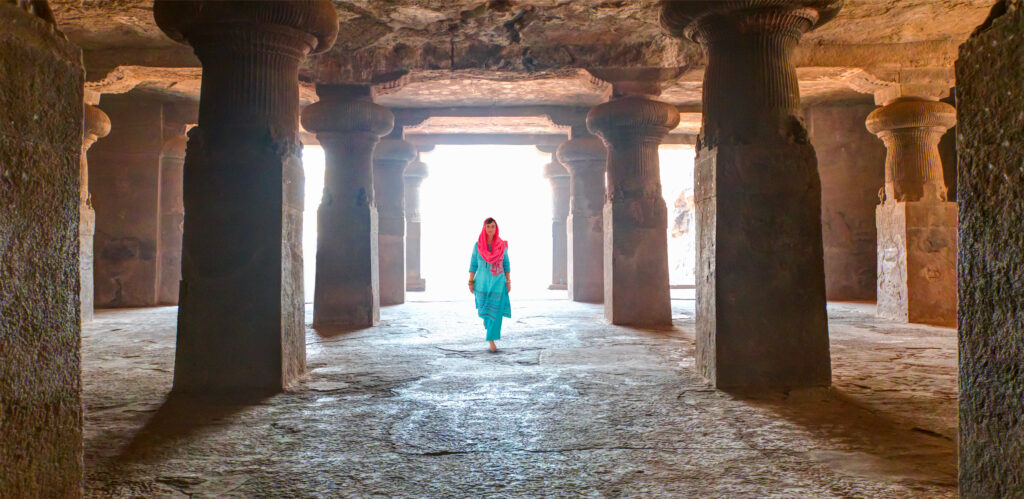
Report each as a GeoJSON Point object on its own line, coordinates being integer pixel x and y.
{"type": "Point", "coordinates": [180, 416]}
{"type": "Point", "coordinates": [880, 447]}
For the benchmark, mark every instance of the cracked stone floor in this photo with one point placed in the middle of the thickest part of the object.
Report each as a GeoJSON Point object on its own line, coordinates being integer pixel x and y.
{"type": "Point", "coordinates": [570, 406]}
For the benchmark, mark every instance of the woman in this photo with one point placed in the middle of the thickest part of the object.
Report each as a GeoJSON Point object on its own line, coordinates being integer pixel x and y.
{"type": "Point", "coordinates": [492, 282]}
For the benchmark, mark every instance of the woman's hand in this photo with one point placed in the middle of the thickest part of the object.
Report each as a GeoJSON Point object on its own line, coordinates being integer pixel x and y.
{"type": "Point", "coordinates": [508, 284]}
{"type": "Point", "coordinates": [472, 289]}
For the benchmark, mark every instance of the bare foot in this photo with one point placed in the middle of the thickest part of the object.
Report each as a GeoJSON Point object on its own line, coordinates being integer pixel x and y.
{"type": "Point", "coordinates": [494, 348]}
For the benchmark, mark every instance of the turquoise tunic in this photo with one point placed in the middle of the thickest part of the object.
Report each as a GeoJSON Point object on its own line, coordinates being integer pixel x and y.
{"type": "Point", "coordinates": [491, 294]}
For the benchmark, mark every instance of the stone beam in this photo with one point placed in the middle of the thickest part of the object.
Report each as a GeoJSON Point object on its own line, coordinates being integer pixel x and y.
{"type": "Point", "coordinates": [484, 139]}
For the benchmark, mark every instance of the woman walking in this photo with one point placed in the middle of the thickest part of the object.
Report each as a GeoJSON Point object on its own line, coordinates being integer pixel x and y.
{"type": "Point", "coordinates": [491, 284]}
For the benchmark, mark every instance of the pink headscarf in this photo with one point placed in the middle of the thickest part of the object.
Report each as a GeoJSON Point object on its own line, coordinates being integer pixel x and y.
{"type": "Point", "coordinates": [496, 255]}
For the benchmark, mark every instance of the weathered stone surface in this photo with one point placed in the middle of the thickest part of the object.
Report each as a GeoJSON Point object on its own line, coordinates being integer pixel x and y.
{"type": "Point", "coordinates": [569, 406]}
{"type": "Point", "coordinates": [240, 320]}
{"type": "Point", "coordinates": [348, 125]}
{"type": "Point", "coordinates": [390, 158]}
{"type": "Point", "coordinates": [761, 319]}
{"type": "Point", "coordinates": [851, 166]}
{"type": "Point", "coordinates": [556, 173]}
{"type": "Point", "coordinates": [991, 258]}
{"type": "Point", "coordinates": [40, 146]}
{"type": "Point", "coordinates": [917, 262]}
{"type": "Point", "coordinates": [414, 175]}
{"type": "Point", "coordinates": [585, 157]}
{"type": "Point", "coordinates": [96, 125]}
{"type": "Point", "coordinates": [125, 187]}
{"type": "Point", "coordinates": [172, 213]}
{"type": "Point", "coordinates": [916, 225]}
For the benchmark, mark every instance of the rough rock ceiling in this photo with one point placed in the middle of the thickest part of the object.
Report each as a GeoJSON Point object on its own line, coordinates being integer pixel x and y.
{"type": "Point", "coordinates": [504, 52]}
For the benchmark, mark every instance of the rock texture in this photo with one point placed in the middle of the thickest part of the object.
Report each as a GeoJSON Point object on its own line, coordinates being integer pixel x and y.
{"type": "Point", "coordinates": [991, 263]}
{"type": "Point", "coordinates": [569, 406]}
{"type": "Point", "coordinates": [851, 164]}
{"type": "Point", "coordinates": [513, 51]}
{"type": "Point", "coordinates": [41, 123]}
{"type": "Point", "coordinates": [125, 186]}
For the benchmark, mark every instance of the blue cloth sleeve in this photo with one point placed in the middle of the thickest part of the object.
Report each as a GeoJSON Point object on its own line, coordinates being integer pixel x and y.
{"type": "Point", "coordinates": [505, 262]}
{"type": "Point", "coordinates": [473, 260]}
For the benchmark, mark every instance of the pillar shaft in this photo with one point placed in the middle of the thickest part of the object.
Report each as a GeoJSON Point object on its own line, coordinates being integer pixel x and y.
{"type": "Point", "coordinates": [348, 125]}
{"type": "Point", "coordinates": [585, 159]}
{"type": "Point", "coordinates": [916, 225]}
{"type": "Point", "coordinates": [96, 125]}
{"type": "Point", "coordinates": [240, 322]}
{"type": "Point", "coordinates": [172, 215]}
{"type": "Point", "coordinates": [414, 176]}
{"type": "Point", "coordinates": [761, 320]}
{"type": "Point", "coordinates": [389, 161]}
{"type": "Point", "coordinates": [559, 178]}
{"type": "Point", "coordinates": [636, 285]}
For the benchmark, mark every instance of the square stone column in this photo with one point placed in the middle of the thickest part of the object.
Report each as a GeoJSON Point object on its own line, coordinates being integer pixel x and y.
{"type": "Point", "coordinates": [97, 125]}
{"type": "Point", "coordinates": [348, 125]}
{"type": "Point", "coordinates": [916, 225]}
{"type": "Point", "coordinates": [414, 175]}
{"type": "Point", "coordinates": [390, 159]}
{"type": "Point", "coordinates": [241, 314]}
{"type": "Point", "coordinates": [990, 153]}
{"type": "Point", "coordinates": [636, 287]}
{"type": "Point", "coordinates": [585, 157]}
{"type": "Point", "coordinates": [761, 320]}
{"type": "Point", "coordinates": [556, 173]}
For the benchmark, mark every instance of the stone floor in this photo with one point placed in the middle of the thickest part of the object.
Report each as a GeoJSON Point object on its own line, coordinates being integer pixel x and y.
{"type": "Point", "coordinates": [568, 407]}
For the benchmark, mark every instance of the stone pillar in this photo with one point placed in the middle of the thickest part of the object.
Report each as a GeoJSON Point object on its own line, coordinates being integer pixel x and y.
{"type": "Point", "coordinates": [97, 125]}
{"type": "Point", "coordinates": [990, 155]}
{"type": "Point", "coordinates": [41, 121]}
{"type": "Point", "coordinates": [632, 125]}
{"type": "Point", "coordinates": [584, 157]}
{"type": "Point", "coordinates": [761, 320]}
{"type": "Point", "coordinates": [172, 214]}
{"type": "Point", "coordinates": [240, 321]}
{"type": "Point", "coordinates": [414, 175]}
{"type": "Point", "coordinates": [348, 125]}
{"type": "Point", "coordinates": [916, 224]}
{"type": "Point", "coordinates": [390, 158]}
{"type": "Point", "coordinates": [556, 173]}
{"type": "Point", "coordinates": [848, 158]}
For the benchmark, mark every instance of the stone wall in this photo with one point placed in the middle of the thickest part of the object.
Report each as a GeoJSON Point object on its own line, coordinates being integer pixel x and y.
{"type": "Point", "coordinates": [851, 163]}
{"type": "Point", "coordinates": [990, 87]}
{"type": "Point", "coordinates": [40, 145]}
{"type": "Point", "coordinates": [124, 178]}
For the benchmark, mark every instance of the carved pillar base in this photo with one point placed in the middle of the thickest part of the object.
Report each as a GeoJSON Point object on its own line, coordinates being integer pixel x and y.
{"type": "Point", "coordinates": [761, 291]}
{"type": "Point", "coordinates": [917, 246]}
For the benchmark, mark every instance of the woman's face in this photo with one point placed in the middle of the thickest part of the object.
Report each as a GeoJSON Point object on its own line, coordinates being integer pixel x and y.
{"type": "Point", "coordinates": [491, 228]}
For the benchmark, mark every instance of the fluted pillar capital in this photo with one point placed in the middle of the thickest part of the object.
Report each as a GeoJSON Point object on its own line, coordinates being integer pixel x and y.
{"type": "Point", "coordinates": [555, 170]}
{"type": "Point", "coordinates": [416, 170]}
{"type": "Point", "coordinates": [911, 129]}
{"type": "Point", "coordinates": [587, 153]}
{"type": "Point", "coordinates": [912, 113]}
{"type": "Point", "coordinates": [394, 152]}
{"type": "Point", "coordinates": [312, 22]}
{"type": "Point", "coordinates": [347, 109]}
{"type": "Point", "coordinates": [631, 118]}
{"type": "Point", "coordinates": [96, 124]}
{"type": "Point", "coordinates": [707, 22]}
